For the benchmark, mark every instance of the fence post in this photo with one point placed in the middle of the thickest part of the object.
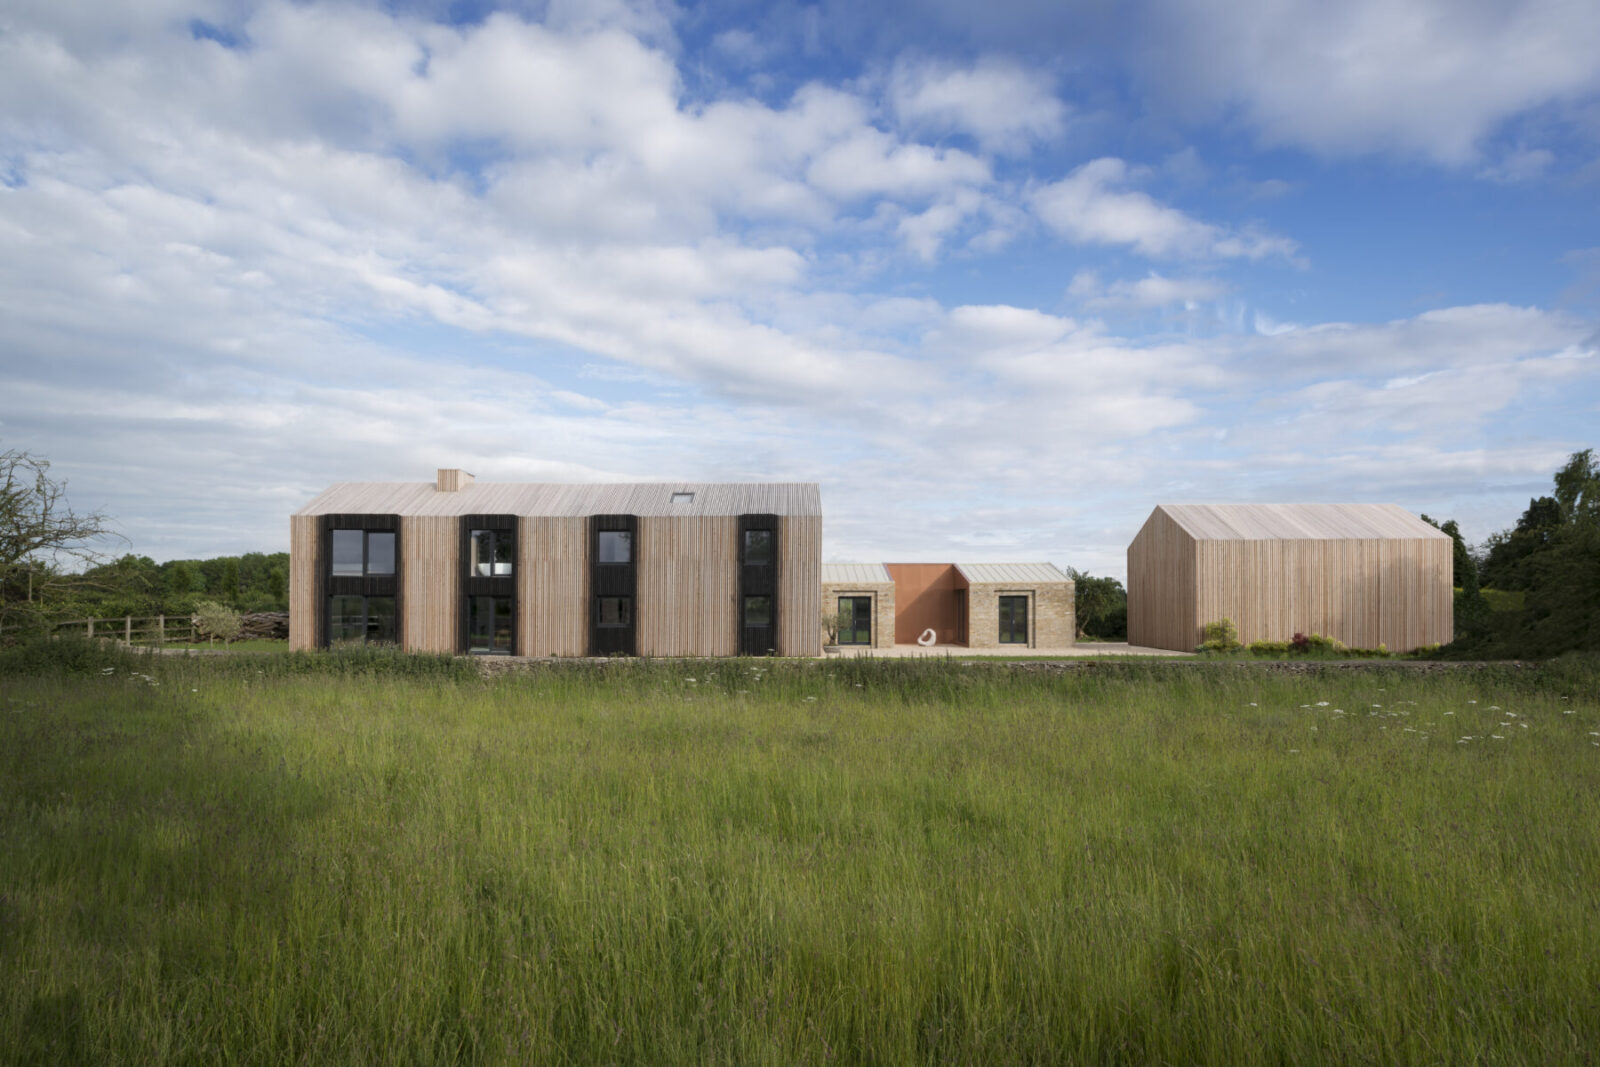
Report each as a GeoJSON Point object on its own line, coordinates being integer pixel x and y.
{"type": "Point", "coordinates": [91, 628]}
{"type": "Point", "coordinates": [127, 630]}
{"type": "Point", "coordinates": [161, 630]}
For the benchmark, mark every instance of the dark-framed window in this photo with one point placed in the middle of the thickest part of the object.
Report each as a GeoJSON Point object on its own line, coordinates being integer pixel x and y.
{"type": "Point", "coordinates": [855, 620]}
{"type": "Point", "coordinates": [491, 553]}
{"type": "Point", "coordinates": [758, 548]}
{"type": "Point", "coordinates": [614, 546]}
{"type": "Point", "coordinates": [613, 612]}
{"type": "Point", "coordinates": [490, 628]}
{"type": "Point", "coordinates": [1013, 620]}
{"type": "Point", "coordinates": [359, 583]}
{"type": "Point", "coordinates": [361, 620]}
{"type": "Point", "coordinates": [614, 551]}
{"type": "Point", "coordinates": [355, 553]}
{"type": "Point", "coordinates": [487, 561]}
{"type": "Point", "coordinates": [760, 604]}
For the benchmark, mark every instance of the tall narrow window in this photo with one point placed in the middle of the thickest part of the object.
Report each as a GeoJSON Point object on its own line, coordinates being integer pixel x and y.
{"type": "Point", "coordinates": [488, 621]}
{"type": "Point", "coordinates": [1013, 620]}
{"type": "Point", "coordinates": [759, 590]}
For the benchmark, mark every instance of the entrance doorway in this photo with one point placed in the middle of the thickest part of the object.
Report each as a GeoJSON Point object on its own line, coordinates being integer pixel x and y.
{"type": "Point", "coordinates": [1013, 620]}
{"type": "Point", "coordinates": [855, 620]}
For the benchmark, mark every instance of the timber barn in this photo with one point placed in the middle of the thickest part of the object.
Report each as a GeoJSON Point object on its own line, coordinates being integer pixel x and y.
{"type": "Point", "coordinates": [1365, 574]}
{"type": "Point", "coordinates": [708, 569]}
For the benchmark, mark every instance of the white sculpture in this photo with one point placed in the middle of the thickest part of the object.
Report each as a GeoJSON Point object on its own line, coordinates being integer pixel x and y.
{"type": "Point", "coordinates": [928, 638]}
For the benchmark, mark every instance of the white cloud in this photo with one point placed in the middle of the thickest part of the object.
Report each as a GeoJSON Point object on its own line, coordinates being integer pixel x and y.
{"type": "Point", "coordinates": [1003, 105]}
{"type": "Point", "coordinates": [1432, 78]}
{"type": "Point", "coordinates": [369, 244]}
{"type": "Point", "coordinates": [1152, 291]}
{"type": "Point", "coordinates": [1092, 205]}
{"type": "Point", "coordinates": [1522, 165]}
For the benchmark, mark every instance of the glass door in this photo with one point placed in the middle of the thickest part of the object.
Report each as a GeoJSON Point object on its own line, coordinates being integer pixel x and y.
{"type": "Point", "coordinates": [855, 620]}
{"type": "Point", "coordinates": [1013, 620]}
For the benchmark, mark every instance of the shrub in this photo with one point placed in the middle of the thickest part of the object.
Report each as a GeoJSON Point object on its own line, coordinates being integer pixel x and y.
{"type": "Point", "coordinates": [213, 620]}
{"type": "Point", "coordinates": [1221, 636]}
{"type": "Point", "coordinates": [42, 654]}
{"type": "Point", "coordinates": [1269, 648]}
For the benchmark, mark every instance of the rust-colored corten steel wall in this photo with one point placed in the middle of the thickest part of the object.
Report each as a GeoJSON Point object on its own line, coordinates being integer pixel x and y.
{"type": "Point", "coordinates": [926, 597]}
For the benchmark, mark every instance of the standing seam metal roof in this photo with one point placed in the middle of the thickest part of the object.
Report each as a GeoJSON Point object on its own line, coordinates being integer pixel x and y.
{"type": "Point", "coordinates": [1275, 522]}
{"type": "Point", "coordinates": [856, 574]}
{"type": "Point", "coordinates": [651, 499]}
{"type": "Point", "coordinates": [1011, 573]}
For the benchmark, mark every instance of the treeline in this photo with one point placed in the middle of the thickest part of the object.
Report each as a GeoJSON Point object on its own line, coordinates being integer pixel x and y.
{"type": "Point", "coordinates": [138, 585]}
{"type": "Point", "coordinates": [1549, 561]}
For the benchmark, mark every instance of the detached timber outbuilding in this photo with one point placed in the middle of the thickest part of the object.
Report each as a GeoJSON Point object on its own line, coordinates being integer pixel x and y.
{"type": "Point", "coordinates": [1365, 574]}
{"type": "Point", "coordinates": [669, 569]}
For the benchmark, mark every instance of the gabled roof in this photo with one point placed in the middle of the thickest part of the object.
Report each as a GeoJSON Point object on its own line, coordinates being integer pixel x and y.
{"type": "Point", "coordinates": [1002, 573]}
{"type": "Point", "coordinates": [856, 574]}
{"type": "Point", "coordinates": [558, 499]}
{"type": "Point", "coordinates": [1299, 522]}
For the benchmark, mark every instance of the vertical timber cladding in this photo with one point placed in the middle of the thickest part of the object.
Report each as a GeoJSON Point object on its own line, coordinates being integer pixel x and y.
{"type": "Point", "coordinates": [493, 584]}
{"type": "Point", "coordinates": [688, 585]}
{"type": "Point", "coordinates": [305, 535]}
{"type": "Point", "coordinates": [331, 585]}
{"type": "Point", "coordinates": [799, 609]}
{"type": "Point", "coordinates": [613, 589]}
{"type": "Point", "coordinates": [553, 585]}
{"type": "Point", "coordinates": [759, 577]}
{"type": "Point", "coordinates": [433, 588]}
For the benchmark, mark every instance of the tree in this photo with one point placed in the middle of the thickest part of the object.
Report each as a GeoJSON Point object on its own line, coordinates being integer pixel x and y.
{"type": "Point", "coordinates": [45, 546]}
{"type": "Point", "coordinates": [1578, 488]}
{"type": "Point", "coordinates": [1464, 569]}
{"type": "Point", "coordinates": [230, 580]}
{"type": "Point", "coordinates": [1099, 604]}
{"type": "Point", "coordinates": [1553, 554]}
{"type": "Point", "coordinates": [181, 579]}
{"type": "Point", "coordinates": [277, 585]}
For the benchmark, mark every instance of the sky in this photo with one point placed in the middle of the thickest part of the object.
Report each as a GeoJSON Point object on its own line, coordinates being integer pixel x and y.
{"type": "Point", "coordinates": [1000, 277]}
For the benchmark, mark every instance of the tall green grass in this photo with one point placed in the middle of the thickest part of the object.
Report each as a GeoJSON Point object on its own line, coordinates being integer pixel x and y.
{"type": "Point", "coordinates": [311, 859]}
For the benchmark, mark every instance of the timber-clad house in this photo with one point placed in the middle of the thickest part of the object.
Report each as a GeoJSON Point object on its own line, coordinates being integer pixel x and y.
{"type": "Point", "coordinates": [707, 569]}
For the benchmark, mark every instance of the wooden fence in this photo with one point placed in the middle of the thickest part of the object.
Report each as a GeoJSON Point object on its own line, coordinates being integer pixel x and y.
{"type": "Point", "coordinates": [148, 630]}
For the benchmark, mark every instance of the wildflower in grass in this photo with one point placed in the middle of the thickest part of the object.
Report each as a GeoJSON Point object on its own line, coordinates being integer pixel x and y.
{"type": "Point", "coordinates": [1322, 703]}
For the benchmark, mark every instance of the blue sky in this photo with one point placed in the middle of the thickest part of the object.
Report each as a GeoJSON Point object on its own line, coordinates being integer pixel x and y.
{"type": "Point", "coordinates": [1000, 277]}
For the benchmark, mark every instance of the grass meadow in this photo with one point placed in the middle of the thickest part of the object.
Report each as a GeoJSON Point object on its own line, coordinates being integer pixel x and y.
{"type": "Point", "coordinates": [361, 859]}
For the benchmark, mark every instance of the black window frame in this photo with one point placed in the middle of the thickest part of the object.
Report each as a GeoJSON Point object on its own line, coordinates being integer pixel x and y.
{"type": "Point", "coordinates": [1002, 619]}
{"type": "Point", "coordinates": [330, 585]}
{"type": "Point", "coordinates": [367, 616]}
{"type": "Point", "coordinates": [614, 579]}
{"type": "Point", "coordinates": [366, 552]}
{"type": "Point", "coordinates": [855, 600]}
{"type": "Point", "coordinates": [489, 585]}
{"type": "Point", "coordinates": [760, 577]}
